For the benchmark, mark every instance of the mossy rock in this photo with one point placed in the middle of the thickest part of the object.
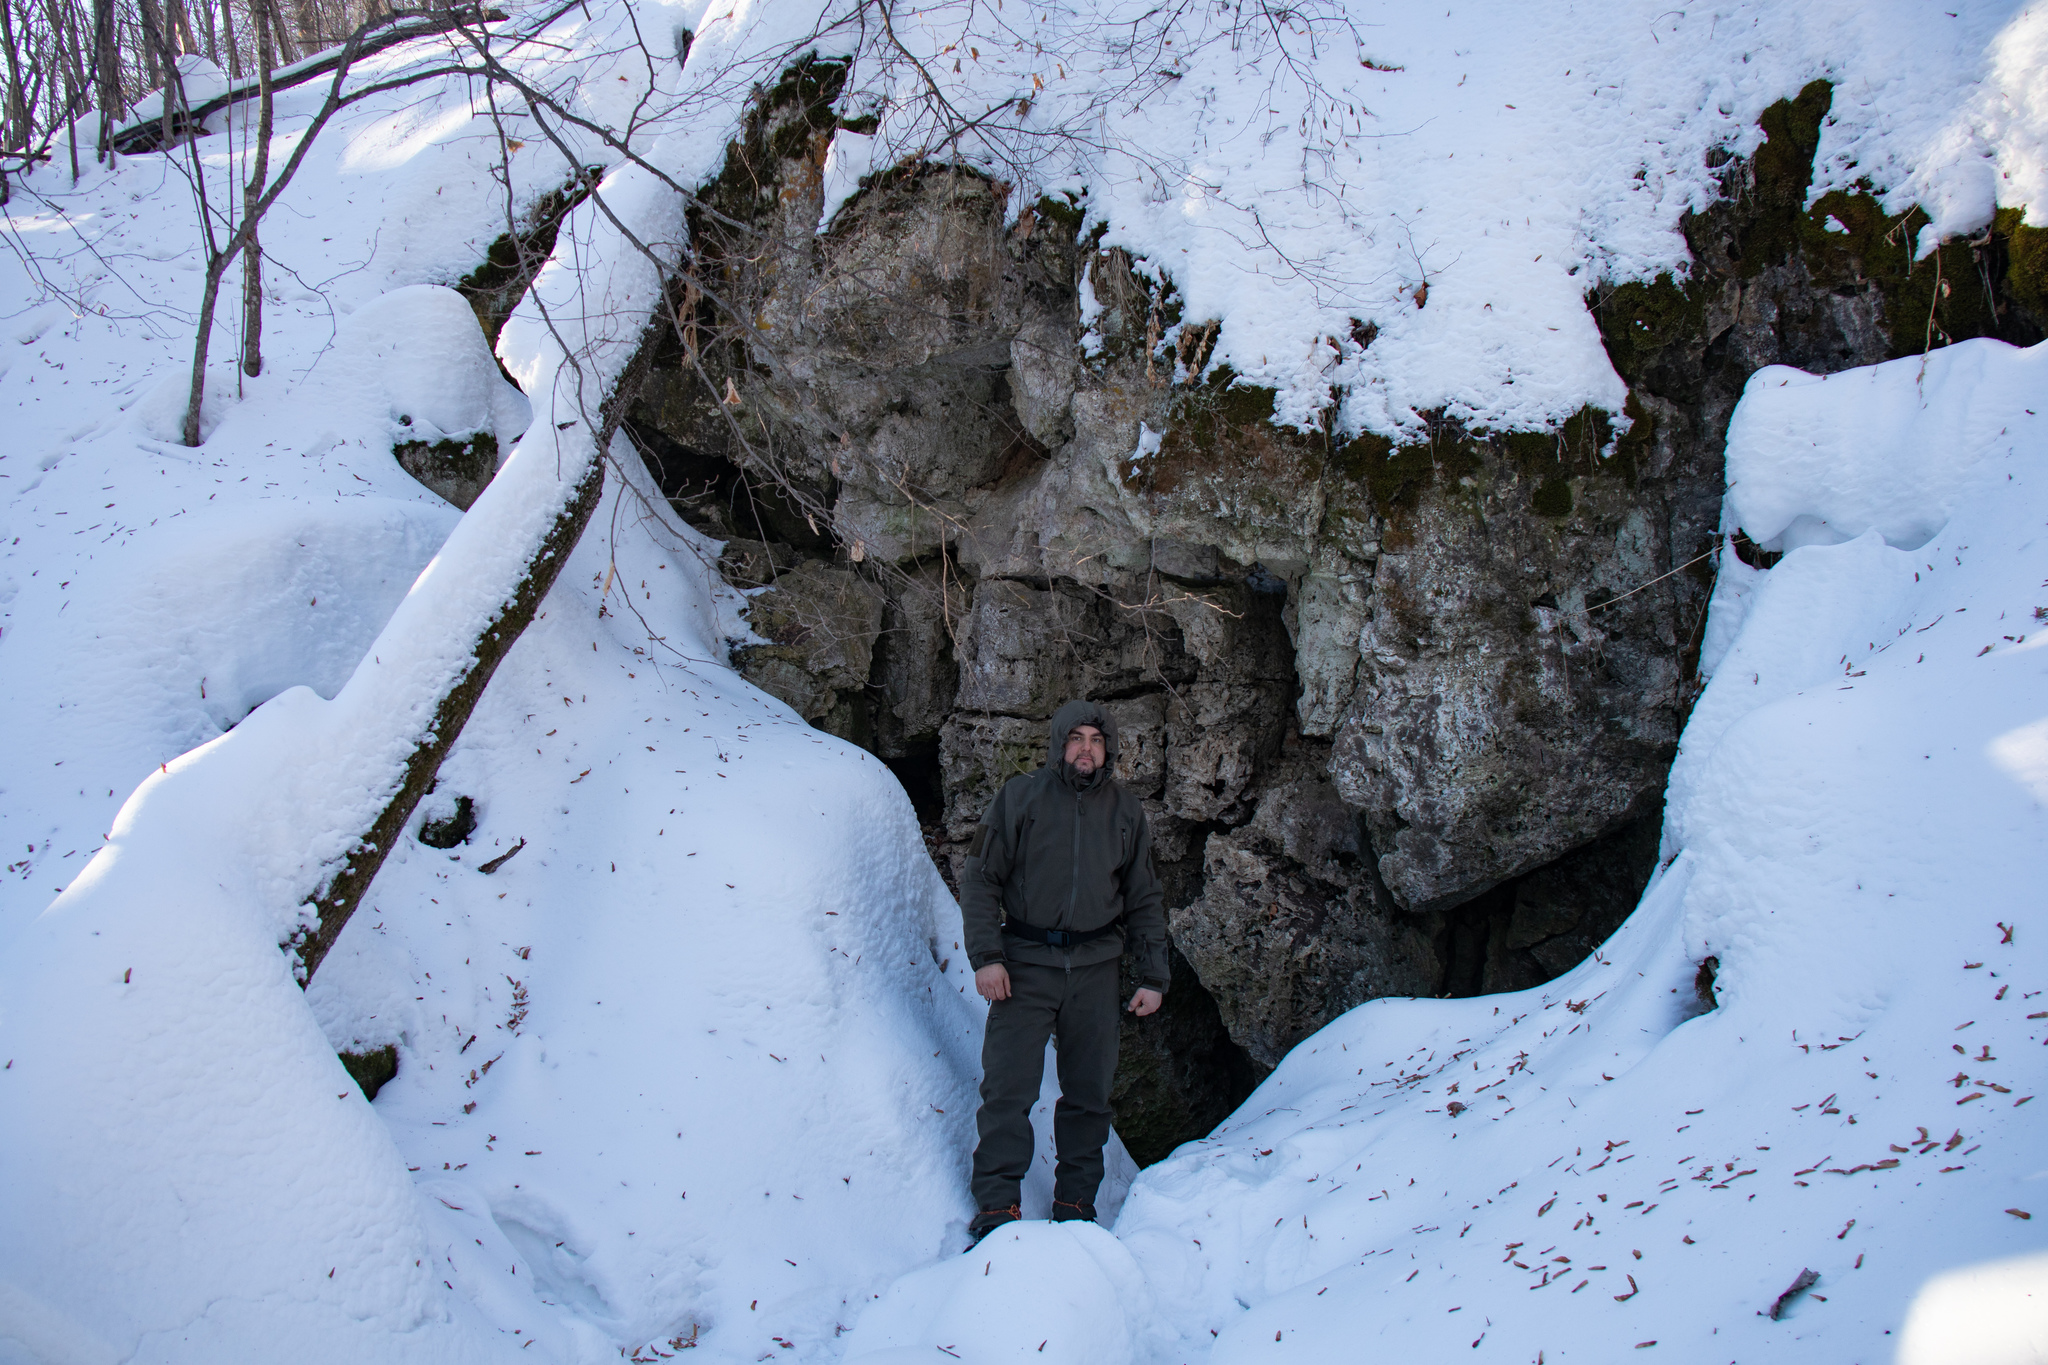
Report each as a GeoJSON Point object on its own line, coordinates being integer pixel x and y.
{"type": "Point", "coordinates": [451, 829]}
{"type": "Point", "coordinates": [2026, 267]}
{"type": "Point", "coordinates": [1554, 497]}
{"type": "Point", "coordinates": [455, 467]}
{"type": "Point", "coordinates": [1395, 476]}
{"type": "Point", "coordinates": [495, 287]}
{"type": "Point", "coordinates": [1639, 319]}
{"type": "Point", "coordinates": [1781, 171]}
{"type": "Point", "coordinates": [1927, 303]}
{"type": "Point", "coordinates": [1223, 430]}
{"type": "Point", "coordinates": [371, 1070]}
{"type": "Point", "coordinates": [1062, 211]}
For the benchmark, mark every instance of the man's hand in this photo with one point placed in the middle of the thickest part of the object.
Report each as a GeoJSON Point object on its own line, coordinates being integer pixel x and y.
{"type": "Point", "coordinates": [992, 983]}
{"type": "Point", "coordinates": [1143, 1003]}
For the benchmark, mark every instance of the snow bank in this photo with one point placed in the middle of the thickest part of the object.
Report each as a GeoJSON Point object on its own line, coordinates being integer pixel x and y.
{"type": "Point", "coordinates": [1058, 1292]}
{"type": "Point", "coordinates": [1854, 825]}
{"type": "Point", "coordinates": [1820, 459]}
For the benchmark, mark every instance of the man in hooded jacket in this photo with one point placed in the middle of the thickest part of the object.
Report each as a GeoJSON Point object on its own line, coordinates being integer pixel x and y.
{"type": "Point", "coordinates": [1057, 883]}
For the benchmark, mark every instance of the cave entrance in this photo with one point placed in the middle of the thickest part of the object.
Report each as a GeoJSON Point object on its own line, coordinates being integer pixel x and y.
{"type": "Point", "coordinates": [1542, 924]}
{"type": "Point", "coordinates": [917, 769]}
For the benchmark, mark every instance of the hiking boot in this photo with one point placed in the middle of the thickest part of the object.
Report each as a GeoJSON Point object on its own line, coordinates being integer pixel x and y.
{"type": "Point", "coordinates": [1063, 1212]}
{"type": "Point", "coordinates": [988, 1220]}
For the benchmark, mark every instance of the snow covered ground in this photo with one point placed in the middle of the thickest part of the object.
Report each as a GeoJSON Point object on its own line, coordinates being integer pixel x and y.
{"type": "Point", "coordinates": [696, 1064]}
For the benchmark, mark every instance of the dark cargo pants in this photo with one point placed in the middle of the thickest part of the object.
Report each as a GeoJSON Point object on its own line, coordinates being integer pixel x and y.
{"type": "Point", "coordinates": [1079, 1005]}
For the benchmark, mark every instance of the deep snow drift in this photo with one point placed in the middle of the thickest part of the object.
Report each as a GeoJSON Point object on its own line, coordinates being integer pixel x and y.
{"type": "Point", "coordinates": [695, 1066]}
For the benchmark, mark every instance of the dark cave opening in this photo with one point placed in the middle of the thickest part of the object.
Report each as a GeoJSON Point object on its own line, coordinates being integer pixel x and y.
{"type": "Point", "coordinates": [917, 769]}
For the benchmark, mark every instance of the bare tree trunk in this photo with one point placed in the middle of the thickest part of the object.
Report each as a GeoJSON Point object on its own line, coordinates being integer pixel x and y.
{"type": "Point", "coordinates": [212, 31]}
{"type": "Point", "coordinates": [209, 298]}
{"type": "Point", "coordinates": [151, 43]}
{"type": "Point", "coordinates": [156, 44]}
{"type": "Point", "coordinates": [64, 24]}
{"type": "Point", "coordinates": [227, 28]}
{"type": "Point", "coordinates": [220, 257]}
{"type": "Point", "coordinates": [280, 33]}
{"type": "Point", "coordinates": [106, 60]}
{"type": "Point", "coordinates": [18, 133]}
{"type": "Point", "coordinates": [64, 34]}
{"type": "Point", "coordinates": [252, 259]}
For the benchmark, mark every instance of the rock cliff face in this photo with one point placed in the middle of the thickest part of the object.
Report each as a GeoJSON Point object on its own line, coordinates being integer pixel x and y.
{"type": "Point", "coordinates": [1402, 715]}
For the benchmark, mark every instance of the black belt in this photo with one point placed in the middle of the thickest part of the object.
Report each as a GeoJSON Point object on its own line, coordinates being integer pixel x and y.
{"type": "Point", "coordinates": [1060, 938]}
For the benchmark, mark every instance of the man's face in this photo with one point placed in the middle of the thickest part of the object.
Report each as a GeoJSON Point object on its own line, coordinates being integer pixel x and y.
{"type": "Point", "coordinates": [1086, 749]}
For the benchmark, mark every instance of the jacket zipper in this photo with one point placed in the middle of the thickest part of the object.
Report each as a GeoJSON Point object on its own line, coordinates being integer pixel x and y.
{"type": "Point", "coordinates": [1074, 890]}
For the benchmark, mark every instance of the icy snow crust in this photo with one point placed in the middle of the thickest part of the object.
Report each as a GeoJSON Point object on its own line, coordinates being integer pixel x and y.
{"type": "Point", "coordinates": [697, 1064]}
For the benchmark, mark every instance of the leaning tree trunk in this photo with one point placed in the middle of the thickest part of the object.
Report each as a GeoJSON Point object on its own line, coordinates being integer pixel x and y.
{"type": "Point", "coordinates": [335, 902]}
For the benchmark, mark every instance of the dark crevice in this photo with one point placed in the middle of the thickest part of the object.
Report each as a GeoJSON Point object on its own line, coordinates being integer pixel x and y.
{"type": "Point", "coordinates": [1464, 939]}
{"type": "Point", "coordinates": [1752, 554]}
{"type": "Point", "coordinates": [372, 1069]}
{"type": "Point", "coordinates": [917, 769]}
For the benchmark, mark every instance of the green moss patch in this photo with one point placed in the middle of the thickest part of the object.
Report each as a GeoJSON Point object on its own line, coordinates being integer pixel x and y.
{"type": "Point", "coordinates": [1554, 497]}
{"type": "Point", "coordinates": [1848, 237]}
{"type": "Point", "coordinates": [1637, 320]}
{"type": "Point", "coordinates": [1782, 171]}
{"type": "Point", "coordinates": [1223, 427]}
{"type": "Point", "coordinates": [2026, 265]}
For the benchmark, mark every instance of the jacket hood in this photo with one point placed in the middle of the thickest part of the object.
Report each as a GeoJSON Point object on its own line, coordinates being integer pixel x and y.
{"type": "Point", "coordinates": [1080, 713]}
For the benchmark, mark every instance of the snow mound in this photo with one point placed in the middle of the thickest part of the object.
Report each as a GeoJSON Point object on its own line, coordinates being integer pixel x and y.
{"type": "Point", "coordinates": [1056, 1292]}
{"type": "Point", "coordinates": [1820, 459]}
{"type": "Point", "coordinates": [415, 361]}
{"type": "Point", "coordinates": [199, 80]}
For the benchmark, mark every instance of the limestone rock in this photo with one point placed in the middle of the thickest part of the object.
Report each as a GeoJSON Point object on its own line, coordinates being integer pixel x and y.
{"type": "Point", "coordinates": [1497, 722]}
{"type": "Point", "coordinates": [977, 754]}
{"type": "Point", "coordinates": [1024, 649]}
{"type": "Point", "coordinates": [914, 664]}
{"type": "Point", "coordinates": [1285, 934]}
{"type": "Point", "coordinates": [1400, 712]}
{"type": "Point", "coordinates": [821, 623]}
{"type": "Point", "coordinates": [456, 468]}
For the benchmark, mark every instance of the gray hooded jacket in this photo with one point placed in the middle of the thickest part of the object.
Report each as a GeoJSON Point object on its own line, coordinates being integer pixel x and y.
{"type": "Point", "coordinates": [1058, 851]}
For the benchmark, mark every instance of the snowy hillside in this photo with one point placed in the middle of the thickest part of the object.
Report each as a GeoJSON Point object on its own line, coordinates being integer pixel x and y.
{"type": "Point", "coordinates": [693, 1064]}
